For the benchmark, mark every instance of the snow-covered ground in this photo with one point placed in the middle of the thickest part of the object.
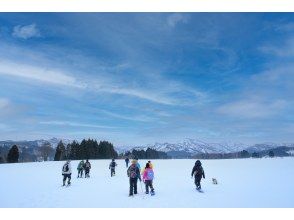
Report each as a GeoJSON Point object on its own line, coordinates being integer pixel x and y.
{"type": "Point", "coordinates": [242, 183]}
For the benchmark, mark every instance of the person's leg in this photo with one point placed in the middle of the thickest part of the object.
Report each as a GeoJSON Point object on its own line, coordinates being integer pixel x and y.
{"type": "Point", "coordinates": [64, 179]}
{"type": "Point", "coordinates": [146, 187]}
{"type": "Point", "coordinates": [151, 186]}
{"type": "Point", "coordinates": [197, 182]}
{"type": "Point", "coordinates": [135, 185]}
{"type": "Point", "coordinates": [131, 186]}
{"type": "Point", "coordinates": [69, 178]}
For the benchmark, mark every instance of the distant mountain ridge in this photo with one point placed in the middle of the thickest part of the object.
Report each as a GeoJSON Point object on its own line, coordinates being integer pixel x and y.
{"type": "Point", "coordinates": [192, 147]}
{"type": "Point", "coordinates": [188, 147]}
{"type": "Point", "coordinates": [34, 143]}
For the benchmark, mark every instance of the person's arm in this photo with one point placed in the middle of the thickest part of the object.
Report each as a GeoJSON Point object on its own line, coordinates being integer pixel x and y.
{"type": "Point", "coordinates": [203, 174]}
{"type": "Point", "coordinates": [128, 172]}
{"type": "Point", "coordinates": [193, 170]}
{"type": "Point", "coordinates": [144, 174]}
{"type": "Point", "coordinates": [69, 168]}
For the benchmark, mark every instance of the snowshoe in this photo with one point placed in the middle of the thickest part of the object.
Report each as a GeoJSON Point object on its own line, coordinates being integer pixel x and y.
{"type": "Point", "coordinates": [152, 193]}
{"type": "Point", "coordinates": [199, 190]}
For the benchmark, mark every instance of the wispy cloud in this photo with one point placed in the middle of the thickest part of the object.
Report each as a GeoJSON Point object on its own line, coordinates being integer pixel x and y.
{"type": "Point", "coordinates": [38, 73]}
{"type": "Point", "coordinates": [73, 124]}
{"type": "Point", "coordinates": [176, 18]}
{"type": "Point", "coordinates": [252, 109]}
{"type": "Point", "coordinates": [140, 118]}
{"type": "Point", "coordinates": [284, 49]}
{"type": "Point", "coordinates": [26, 31]}
{"type": "Point", "coordinates": [4, 103]}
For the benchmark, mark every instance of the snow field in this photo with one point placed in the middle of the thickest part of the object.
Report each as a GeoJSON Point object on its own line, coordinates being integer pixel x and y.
{"type": "Point", "coordinates": [266, 182]}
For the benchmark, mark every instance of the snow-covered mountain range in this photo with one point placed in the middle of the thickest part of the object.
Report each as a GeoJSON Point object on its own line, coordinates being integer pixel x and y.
{"type": "Point", "coordinates": [188, 147]}
{"type": "Point", "coordinates": [34, 143]}
{"type": "Point", "coordinates": [195, 146]}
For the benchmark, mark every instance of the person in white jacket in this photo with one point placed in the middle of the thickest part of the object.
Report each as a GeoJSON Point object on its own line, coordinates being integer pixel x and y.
{"type": "Point", "coordinates": [66, 172]}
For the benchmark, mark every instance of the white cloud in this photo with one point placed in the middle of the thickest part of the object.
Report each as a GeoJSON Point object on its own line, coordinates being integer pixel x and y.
{"type": "Point", "coordinates": [26, 31]}
{"type": "Point", "coordinates": [176, 18]}
{"type": "Point", "coordinates": [4, 103]}
{"type": "Point", "coordinates": [283, 50]}
{"type": "Point", "coordinates": [73, 124]}
{"type": "Point", "coordinates": [37, 73]}
{"type": "Point", "coordinates": [140, 118]}
{"type": "Point", "coordinates": [281, 76]}
{"type": "Point", "coordinates": [252, 108]}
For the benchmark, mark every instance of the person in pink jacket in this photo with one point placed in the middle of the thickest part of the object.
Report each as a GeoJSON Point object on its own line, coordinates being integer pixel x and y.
{"type": "Point", "coordinates": [148, 176]}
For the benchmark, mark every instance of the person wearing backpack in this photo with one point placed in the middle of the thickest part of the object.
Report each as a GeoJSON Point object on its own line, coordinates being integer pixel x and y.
{"type": "Point", "coordinates": [80, 168]}
{"type": "Point", "coordinates": [198, 173]}
{"type": "Point", "coordinates": [127, 160]}
{"type": "Point", "coordinates": [66, 172]}
{"type": "Point", "coordinates": [150, 164]}
{"type": "Point", "coordinates": [148, 176]}
{"type": "Point", "coordinates": [137, 163]}
{"type": "Point", "coordinates": [133, 174]}
{"type": "Point", "coordinates": [87, 169]}
{"type": "Point", "coordinates": [112, 166]}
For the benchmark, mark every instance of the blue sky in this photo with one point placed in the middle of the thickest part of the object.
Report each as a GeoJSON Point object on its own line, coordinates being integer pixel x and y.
{"type": "Point", "coordinates": [139, 78]}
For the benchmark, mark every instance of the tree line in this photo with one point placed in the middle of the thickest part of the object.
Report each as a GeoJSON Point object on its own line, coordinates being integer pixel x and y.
{"type": "Point", "coordinates": [87, 149]}
{"type": "Point", "coordinates": [235, 155]}
{"type": "Point", "coordinates": [149, 153]}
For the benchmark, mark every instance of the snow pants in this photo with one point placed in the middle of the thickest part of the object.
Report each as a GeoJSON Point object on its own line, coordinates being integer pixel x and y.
{"type": "Point", "coordinates": [87, 172]}
{"type": "Point", "coordinates": [148, 183]}
{"type": "Point", "coordinates": [197, 181]}
{"type": "Point", "coordinates": [127, 164]}
{"type": "Point", "coordinates": [66, 176]}
{"type": "Point", "coordinates": [80, 172]}
{"type": "Point", "coordinates": [112, 171]}
{"type": "Point", "coordinates": [133, 186]}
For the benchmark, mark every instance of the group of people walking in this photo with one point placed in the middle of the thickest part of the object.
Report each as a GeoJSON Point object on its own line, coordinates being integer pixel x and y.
{"type": "Point", "coordinates": [83, 167]}
{"type": "Point", "coordinates": [133, 172]}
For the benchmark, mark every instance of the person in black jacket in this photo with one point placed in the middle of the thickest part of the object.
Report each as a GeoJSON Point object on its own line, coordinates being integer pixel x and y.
{"type": "Point", "coordinates": [198, 173]}
{"type": "Point", "coordinates": [134, 174]}
{"type": "Point", "coordinates": [87, 168]}
{"type": "Point", "coordinates": [127, 160]}
{"type": "Point", "coordinates": [112, 166]}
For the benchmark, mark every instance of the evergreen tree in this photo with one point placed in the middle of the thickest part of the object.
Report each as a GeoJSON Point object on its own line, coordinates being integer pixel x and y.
{"type": "Point", "coordinates": [244, 154]}
{"type": "Point", "coordinates": [60, 152]}
{"type": "Point", "coordinates": [255, 155]}
{"type": "Point", "coordinates": [13, 154]}
{"type": "Point", "coordinates": [1, 160]}
{"type": "Point", "coordinates": [271, 154]}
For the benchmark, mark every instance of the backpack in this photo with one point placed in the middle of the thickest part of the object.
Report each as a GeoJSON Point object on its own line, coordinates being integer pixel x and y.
{"type": "Point", "coordinates": [150, 174]}
{"type": "Point", "coordinates": [87, 165]}
{"type": "Point", "coordinates": [113, 164]}
{"type": "Point", "coordinates": [133, 172]}
{"type": "Point", "coordinates": [65, 168]}
{"type": "Point", "coordinates": [199, 171]}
